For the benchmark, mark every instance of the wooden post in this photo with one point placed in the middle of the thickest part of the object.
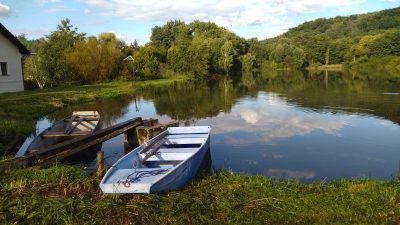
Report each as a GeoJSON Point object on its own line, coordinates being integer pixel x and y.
{"type": "Point", "coordinates": [145, 133]}
{"type": "Point", "coordinates": [132, 138]}
{"type": "Point", "coordinates": [100, 164]}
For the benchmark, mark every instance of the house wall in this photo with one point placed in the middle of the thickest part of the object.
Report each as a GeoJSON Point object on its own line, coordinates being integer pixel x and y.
{"type": "Point", "coordinates": [9, 53]}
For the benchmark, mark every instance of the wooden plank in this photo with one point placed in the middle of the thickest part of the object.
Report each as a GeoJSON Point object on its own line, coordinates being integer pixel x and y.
{"type": "Point", "coordinates": [68, 152]}
{"type": "Point", "coordinates": [62, 134]}
{"type": "Point", "coordinates": [70, 147]}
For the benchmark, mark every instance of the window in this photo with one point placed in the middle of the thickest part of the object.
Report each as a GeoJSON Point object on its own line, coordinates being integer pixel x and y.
{"type": "Point", "coordinates": [4, 68]}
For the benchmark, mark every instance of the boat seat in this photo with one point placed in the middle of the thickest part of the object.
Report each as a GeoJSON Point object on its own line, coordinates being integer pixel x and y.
{"type": "Point", "coordinates": [181, 136]}
{"type": "Point", "coordinates": [93, 118]}
{"type": "Point", "coordinates": [177, 145]}
{"type": "Point", "coordinates": [161, 163]}
{"type": "Point", "coordinates": [177, 150]}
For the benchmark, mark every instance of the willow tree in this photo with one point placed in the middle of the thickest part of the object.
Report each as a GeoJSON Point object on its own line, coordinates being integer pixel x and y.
{"type": "Point", "coordinates": [94, 60]}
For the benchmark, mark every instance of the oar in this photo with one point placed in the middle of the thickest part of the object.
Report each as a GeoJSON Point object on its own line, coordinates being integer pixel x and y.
{"type": "Point", "coordinates": [154, 149]}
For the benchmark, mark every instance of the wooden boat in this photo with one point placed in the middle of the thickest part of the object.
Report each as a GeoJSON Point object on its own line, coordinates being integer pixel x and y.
{"type": "Point", "coordinates": [80, 123]}
{"type": "Point", "coordinates": [167, 162]}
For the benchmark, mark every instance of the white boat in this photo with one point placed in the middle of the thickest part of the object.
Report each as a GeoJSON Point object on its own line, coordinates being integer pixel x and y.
{"type": "Point", "coordinates": [166, 162]}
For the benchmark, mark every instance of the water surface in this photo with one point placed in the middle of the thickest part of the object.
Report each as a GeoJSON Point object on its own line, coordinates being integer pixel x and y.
{"type": "Point", "coordinates": [308, 127]}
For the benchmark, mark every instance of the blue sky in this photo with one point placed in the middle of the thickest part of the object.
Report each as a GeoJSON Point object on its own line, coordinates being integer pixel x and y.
{"type": "Point", "coordinates": [133, 19]}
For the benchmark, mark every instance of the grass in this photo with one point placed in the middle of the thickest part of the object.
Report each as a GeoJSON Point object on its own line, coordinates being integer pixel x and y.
{"type": "Point", "coordinates": [19, 111]}
{"type": "Point", "coordinates": [64, 194]}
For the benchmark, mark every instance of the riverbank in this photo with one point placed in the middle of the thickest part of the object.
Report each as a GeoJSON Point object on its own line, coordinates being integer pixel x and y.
{"type": "Point", "coordinates": [66, 195]}
{"type": "Point", "coordinates": [319, 67]}
{"type": "Point", "coordinates": [19, 111]}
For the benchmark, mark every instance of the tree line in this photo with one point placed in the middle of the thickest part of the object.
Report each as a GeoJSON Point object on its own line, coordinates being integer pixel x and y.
{"type": "Point", "coordinates": [203, 50]}
{"type": "Point", "coordinates": [67, 56]}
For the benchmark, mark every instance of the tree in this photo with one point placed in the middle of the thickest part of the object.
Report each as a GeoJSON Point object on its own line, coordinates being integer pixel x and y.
{"type": "Point", "coordinates": [338, 50]}
{"type": "Point", "coordinates": [177, 56]}
{"type": "Point", "coordinates": [226, 52]}
{"type": "Point", "coordinates": [33, 69]}
{"type": "Point", "coordinates": [164, 37]}
{"type": "Point", "coordinates": [386, 44]}
{"type": "Point", "coordinates": [363, 47]}
{"type": "Point", "coordinates": [317, 47]}
{"type": "Point", "coordinates": [198, 57]}
{"type": "Point", "coordinates": [95, 59]}
{"type": "Point", "coordinates": [248, 61]}
{"type": "Point", "coordinates": [33, 45]}
{"type": "Point", "coordinates": [298, 55]}
{"type": "Point", "coordinates": [52, 52]}
{"type": "Point", "coordinates": [287, 54]}
{"type": "Point", "coordinates": [147, 62]}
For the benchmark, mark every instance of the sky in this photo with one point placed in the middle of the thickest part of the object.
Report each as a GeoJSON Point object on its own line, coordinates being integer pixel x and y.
{"type": "Point", "coordinates": [133, 19]}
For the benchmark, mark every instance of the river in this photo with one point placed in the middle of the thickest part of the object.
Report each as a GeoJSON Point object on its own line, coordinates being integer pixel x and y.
{"type": "Point", "coordinates": [299, 126]}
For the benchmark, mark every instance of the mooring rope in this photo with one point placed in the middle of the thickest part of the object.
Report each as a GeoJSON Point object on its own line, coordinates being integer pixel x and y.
{"type": "Point", "coordinates": [135, 176]}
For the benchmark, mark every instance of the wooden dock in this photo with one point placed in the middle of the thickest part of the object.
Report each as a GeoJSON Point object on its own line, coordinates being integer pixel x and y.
{"type": "Point", "coordinates": [68, 148]}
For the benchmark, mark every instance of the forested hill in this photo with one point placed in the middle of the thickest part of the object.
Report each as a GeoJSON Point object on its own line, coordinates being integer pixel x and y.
{"type": "Point", "coordinates": [350, 39]}
{"type": "Point", "coordinates": [351, 26]}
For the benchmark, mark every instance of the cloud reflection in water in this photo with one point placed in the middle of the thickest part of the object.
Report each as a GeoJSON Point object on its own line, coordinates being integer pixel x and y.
{"type": "Point", "coordinates": [264, 123]}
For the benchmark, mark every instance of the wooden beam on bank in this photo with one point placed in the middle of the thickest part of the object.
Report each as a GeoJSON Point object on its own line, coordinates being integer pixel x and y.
{"type": "Point", "coordinates": [64, 149]}
{"type": "Point", "coordinates": [147, 132]}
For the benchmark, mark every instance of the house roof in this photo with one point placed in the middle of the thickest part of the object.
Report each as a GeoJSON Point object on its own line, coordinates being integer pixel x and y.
{"type": "Point", "coordinates": [22, 49]}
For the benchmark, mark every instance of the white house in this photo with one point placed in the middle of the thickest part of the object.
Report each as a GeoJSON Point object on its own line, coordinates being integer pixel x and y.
{"type": "Point", "coordinates": [11, 52]}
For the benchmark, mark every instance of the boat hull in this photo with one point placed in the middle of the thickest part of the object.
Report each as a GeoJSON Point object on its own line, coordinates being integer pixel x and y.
{"type": "Point", "coordinates": [58, 129]}
{"type": "Point", "coordinates": [182, 175]}
{"type": "Point", "coordinates": [175, 157]}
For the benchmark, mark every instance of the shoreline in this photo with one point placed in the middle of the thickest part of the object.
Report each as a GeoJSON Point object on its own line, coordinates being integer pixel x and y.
{"type": "Point", "coordinates": [332, 67]}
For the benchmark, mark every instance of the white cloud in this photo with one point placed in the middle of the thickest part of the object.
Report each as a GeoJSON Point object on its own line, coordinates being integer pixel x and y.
{"type": "Point", "coordinates": [119, 36]}
{"type": "Point", "coordinates": [225, 12]}
{"type": "Point", "coordinates": [86, 11]}
{"type": "Point", "coordinates": [4, 10]}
